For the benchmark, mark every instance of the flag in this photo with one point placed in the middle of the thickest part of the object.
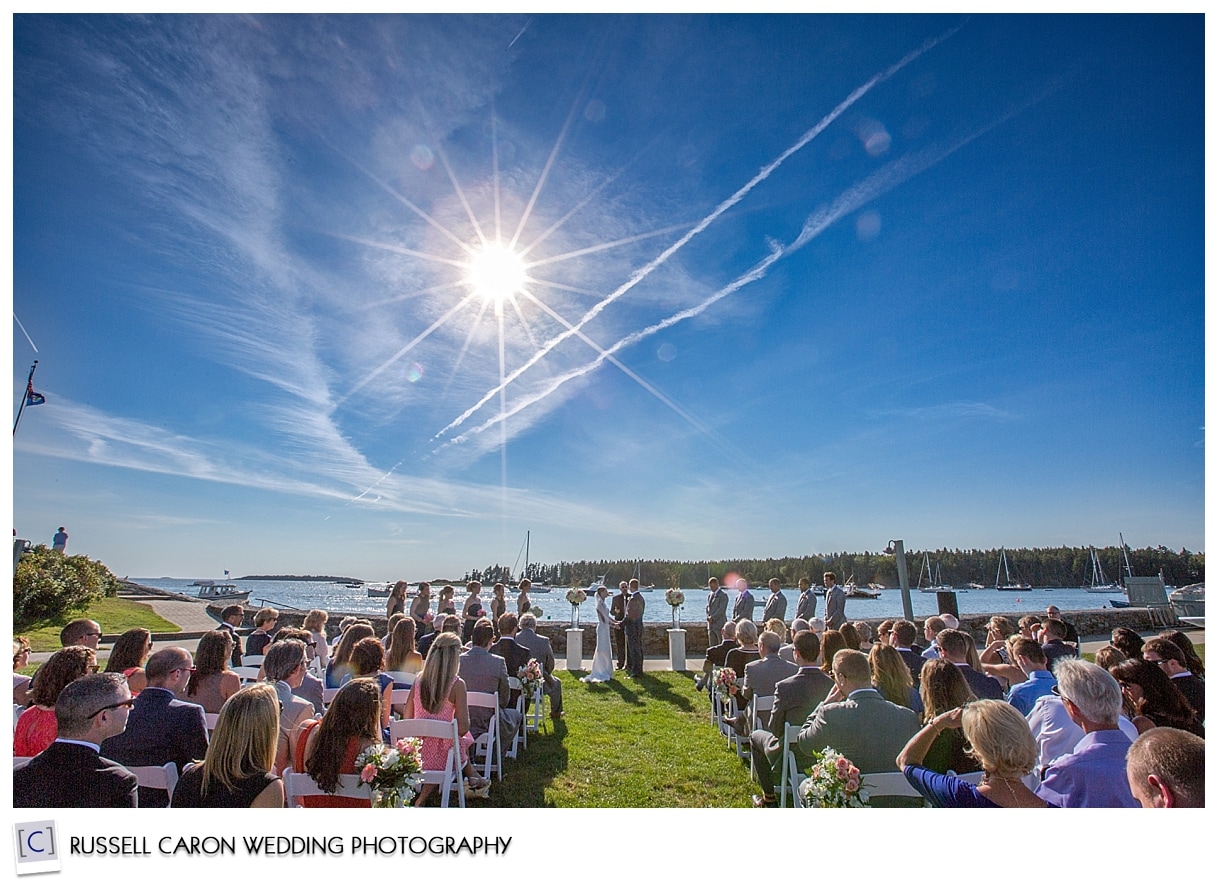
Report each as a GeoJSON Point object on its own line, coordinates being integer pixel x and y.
{"type": "Point", "coordinates": [32, 397]}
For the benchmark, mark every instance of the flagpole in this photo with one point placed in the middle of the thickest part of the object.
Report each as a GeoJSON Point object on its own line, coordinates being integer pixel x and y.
{"type": "Point", "coordinates": [29, 383]}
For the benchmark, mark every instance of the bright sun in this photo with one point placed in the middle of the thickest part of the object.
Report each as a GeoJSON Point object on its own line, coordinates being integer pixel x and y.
{"type": "Point", "coordinates": [496, 273]}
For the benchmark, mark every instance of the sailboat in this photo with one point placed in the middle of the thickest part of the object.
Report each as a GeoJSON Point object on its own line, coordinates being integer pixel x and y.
{"type": "Point", "coordinates": [1099, 583]}
{"type": "Point", "coordinates": [1003, 566]}
{"type": "Point", "coordinates": [934, 577]}
{"type": "Point", "coordinates": [536, 587]}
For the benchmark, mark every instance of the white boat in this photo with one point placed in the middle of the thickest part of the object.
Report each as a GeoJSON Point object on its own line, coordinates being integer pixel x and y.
{"type": "Point", "coordinates": [1099, 583]}
{"type": "Point", "coordinates": [378, 589]}
{"type": "Point", "coordinates": [209, 590]}
{"type": "Point", "coordinates": [861, 592]}
{"type": "Point", "coordinates": [934, 577]}
{"type": "Point", "coordinates": [1008, 585]}
{"type": "Point", "coordinates": [1189, 601]}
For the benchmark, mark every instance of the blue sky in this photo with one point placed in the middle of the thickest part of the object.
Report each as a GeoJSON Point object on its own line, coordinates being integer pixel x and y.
{"type": "Point", "coordinates": [790, 285]}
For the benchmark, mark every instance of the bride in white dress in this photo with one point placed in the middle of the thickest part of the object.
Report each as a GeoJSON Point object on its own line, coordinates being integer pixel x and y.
{"type": "Point", "coordinates": [602, 661]}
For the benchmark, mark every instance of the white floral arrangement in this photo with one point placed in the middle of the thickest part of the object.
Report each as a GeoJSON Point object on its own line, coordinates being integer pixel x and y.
{"type": "Point", "coordinates": [576, 596]}
{"type": "Point", "coordinates": [393, 772]}
{"type": "Point", "coordinates": [675, 597]}
{"type": "Point", "coordinates": [833, 782]}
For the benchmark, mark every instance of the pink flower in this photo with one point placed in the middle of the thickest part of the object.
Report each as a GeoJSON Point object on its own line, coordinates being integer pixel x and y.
{"type": "Point", "coordinates": [843, 763]}
{"type": "Point", "coordinates": [852, 785]}
{"type": "Point", "coordinates": [842, 775]}
{"type": "Point", "coordinates": [368, 773]}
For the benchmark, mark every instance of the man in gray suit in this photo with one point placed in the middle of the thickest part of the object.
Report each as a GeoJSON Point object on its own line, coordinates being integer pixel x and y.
{"type": "Point", "coordinates": [775, 604]}
{"type": "Point", "coordinates": [716, 612]}
{"type": "Point", "coordinates": [540, 649]}
{"type": "Point", "coordinates": [743, 607]}
{"type": "Point", "coordinates": [835, 608]}
{"type": "Point", "coordinates": [805, 607]}
{"type": "Point", "coordinates": [856, 721]}
{"type": "Point", "coordinates": [484, 672]}
{"type": "Point", "coordinates": [795, 698]}
{"type": "Point", "coordinates": [761, 676]}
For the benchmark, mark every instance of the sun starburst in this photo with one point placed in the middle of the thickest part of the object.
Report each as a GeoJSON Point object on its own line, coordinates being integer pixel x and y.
{"type": "Point", "coordinates": [496, 273]}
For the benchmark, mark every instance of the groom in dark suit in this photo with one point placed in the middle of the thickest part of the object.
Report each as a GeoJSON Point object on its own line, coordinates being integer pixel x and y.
{"type": "Point", "coordinates": [617, 609]}
{"type": "Point", "coordinates": [633, 627]}
{"type": "Point", "coordinates": [71, 773]}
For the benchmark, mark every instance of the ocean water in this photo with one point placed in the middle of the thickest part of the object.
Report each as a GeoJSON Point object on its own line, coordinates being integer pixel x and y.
{"type": "Point", "coordinates": [336, 598]}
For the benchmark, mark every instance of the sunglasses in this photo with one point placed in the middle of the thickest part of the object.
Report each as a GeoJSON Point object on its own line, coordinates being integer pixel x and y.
{"type": "Point", "coordinates": [128, 703]}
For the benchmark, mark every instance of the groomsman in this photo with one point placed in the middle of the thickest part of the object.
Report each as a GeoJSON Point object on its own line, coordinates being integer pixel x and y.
{"type": "Point", "coordinates": [743, 607]}
{"type": "Point", "coordinates": [716, 612]}
{"type": "Point", "coordinates": [835, 603]}
{"type": "Point", "coordinates": [775, 604]}
{"type": "Point", "coordinates": [617, 609]}
{"type": "Point", "coordinates": [805, 607]}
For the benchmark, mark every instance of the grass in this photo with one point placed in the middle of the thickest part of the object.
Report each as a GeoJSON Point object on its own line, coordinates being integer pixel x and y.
{"type": "Point", "coordinates": [114, 614]}
{"type": "Point", "coordinates": [627, 744]}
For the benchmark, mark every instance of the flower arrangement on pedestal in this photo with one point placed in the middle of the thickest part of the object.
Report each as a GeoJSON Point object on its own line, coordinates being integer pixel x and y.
{"type": "Point", "coordinates": [531, 676]}
{"type": "Point", "coordinates": [576, 596]}
{"type": "Point", "coordinates": [393, 772]}
{"type": "Point", "coordinates": [833, 782]}
{"type": "Point", "coordinates": [676, 599]}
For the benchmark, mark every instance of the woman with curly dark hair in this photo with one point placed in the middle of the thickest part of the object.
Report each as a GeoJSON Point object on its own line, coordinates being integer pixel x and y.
{"type": "Point", "coordinates": [1128, 641]}
{"type": "Point", "coordinates": [1151, 696]}
{"type": "Point", "coordinates": [212, 683]}
{"type": "Point", "coordinates": [128, 656]}
{"type": "Point", "coordinates": [329, 747]}
{"type": "Point", "coordinates": [37, 727]}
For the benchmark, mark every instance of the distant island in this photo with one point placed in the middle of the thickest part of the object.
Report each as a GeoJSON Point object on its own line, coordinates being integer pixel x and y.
{"type": "Point", "coordinates": [347, 579]}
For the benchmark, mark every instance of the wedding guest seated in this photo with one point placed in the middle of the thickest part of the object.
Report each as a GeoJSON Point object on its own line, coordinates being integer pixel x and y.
{"type": "Point", "coordinates": [716, 656]}
{"type": "Point", "coordinates": [864, 631]}
{"type": "Point", "coordinates": [310, 688]}
{"type": "Point", "coordinates": [1153, 695]}
{"type": "Point", "coordinates": [851, 636]}
{"type": "Point", "coordinates": [950, 621]}
{"type": "Point", "coordinates": [760, 678]}
{"type": "Point", "coordinates": [786, 652]}
{"type": "Point", "coordinates": [1108, 657]}
{"type": "Point", "coordinates": [237, 772]}
{"type": "Point", "coordinates": [831, 643]}
{"type": "Point", "coordinates": [368, 660]}
{"type": "Point", "coordinates": [883, 632]}
{"type": "Point", "coordinates": [212, 683]}
{"type": "Point", "coordinates": [892, 678]}
{"type": "Point", "coordinates": [402, 655]}
{"type": "Point", "coordinates": [70, 773]}
{"type": "Point", "coordinates": [37, 727]}
{"type": "Point", "coordinates": [1092, 775]}
{"type": "Point", "coordinates": [231, 618]}
{"type": "Point", "coordinates": [1128, 641]}
{"type": "Point", "coordinates": [997, 630]}
{"type": "Point", "coordinates": [1056, 734]}
{"type": "Point", "coordinates": [329, 747]}
{"type": "Point", "coordinates": [162, 727]}
{"type": "Point", "coordinates": [1166, 769]}
{"type": "Point", "coordinates": [1053, 614]}
{"type": "Point", "coordinates": [315, 624]}
{"type": "Point", "coordinates": [387, 640]}
{"type": "Point", "coordinates": [285, 666]}
{"type": "Point", "coordinates": [954, 646]}
{"type": "Point", "coordinates": [1192, 661]}
{"type": "Point", "coordinates": [1053, 642]}
{"type": "Point", "coordinates": [817, 624]}
{"type": "Point", "coordinates": [857, 722]}
{"type": "Point", "coordinates": [795, 698]}
{"type": "Point", "coordinates": [539, 648]}
{"type": "Point", "coordinates": [901, 637]}
{"type": "Point", "coordinates": [340, 660]}
{"type": "Point", "coordinates": [944, 689]}
{"type": "Point", "coordinates": [1171, 660]}
{"type": "Point", "coordinates": [747, 651]}
{"type": "Point", "coordinates": [443, 623]}
{"type": "Point", "coordinates": [1000, 741]}
{"type": "Point", "coordinates": [344, 623]}
{"type": "Point", "coordinates": [264, 622]}
{"type": "Point", "coordinates": [21, 683]}
{"type": "Point", "coordinates": [128, 656]}
{"type": "Point", "coordinates": [1040, 681]}
{"type": "Point", "coordinates": [513, 654]}
{"type": "Point", "coordinates": [1029, 627]}
{"type": "Point", "coordinates": [80, 632]}
{"type": "Point", "coordinates": [483, 671]}
{"type": "Point", "coordinates": [1008, 674]}
{"type": "Point", "coordinates": [439, 694]}
{"type": "Point", "coordinates": [930, 630]}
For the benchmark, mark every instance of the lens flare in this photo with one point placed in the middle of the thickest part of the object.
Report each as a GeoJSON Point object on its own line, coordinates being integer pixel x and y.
{"type": "Point", "coordinates": [496, 273]}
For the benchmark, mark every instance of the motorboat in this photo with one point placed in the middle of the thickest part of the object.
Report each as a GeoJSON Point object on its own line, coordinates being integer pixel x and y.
{"type": "Point", "coordinates": [1188, 601]}
{"type": "Point", "coordinates": [869, 591]}
{"type": "Point", "coordinates": [378, 589]}
{"type": "Point", "coordinates": [210, 590]}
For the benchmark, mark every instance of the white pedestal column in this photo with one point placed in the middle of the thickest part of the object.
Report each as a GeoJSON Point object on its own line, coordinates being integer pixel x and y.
{"type": "Point", "coordinates": [575, 649]}
{"type": "Point", "coordinates": [676, 648]}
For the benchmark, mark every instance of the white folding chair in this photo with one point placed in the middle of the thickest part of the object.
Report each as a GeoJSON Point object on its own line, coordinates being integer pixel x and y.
{"type": "Point", "coordinates": [535, 709]}
{"type": "Point", "coordinates": [759, 718]}
{"type": "Point", "coordinates": [449, 778]}
{"type": "Point", "coordinates": [210, 721]}
{"type": "Point", "coordinates": [156, 777]}
{"type": "Point", "coordinates": [298, 784]}
{"type": "Point", "coordinates": [487, 746]}
{"type": "Point", "coordinates": [247, 673]}
{"type": "Point", "coordinates": [522, 734]}
{"type": "Point", "coordinates": [402, 678]}
{"type": "Point", "coordinates": [20, 762]}
{"type": "Point", "coordinates": [889, 784]}
{"type": "Point", "coordinates": [790, 776]}
{"type": "Point", "coordinates": [974, 778]}
{"type": "Point", "coordinates": [253, 661]}
{"type": "Point", "coordinates": [327, 695]}
{"type": "Point", "coordinates": [17, 710]}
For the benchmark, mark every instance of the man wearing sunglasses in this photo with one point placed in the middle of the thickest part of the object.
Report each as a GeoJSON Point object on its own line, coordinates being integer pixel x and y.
{"type": "Point", "coordinates": [71, 773]}
{"type": "Point", "coordinates": [162, 728]}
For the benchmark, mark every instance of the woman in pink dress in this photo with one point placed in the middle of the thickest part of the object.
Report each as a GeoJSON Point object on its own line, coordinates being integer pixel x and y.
{"type": "Point", "coordinates": [37, 726]}
{"type": "Point", "coordinates": [439, 694]}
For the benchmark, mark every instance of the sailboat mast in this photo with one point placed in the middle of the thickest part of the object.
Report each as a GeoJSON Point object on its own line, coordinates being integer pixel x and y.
{"type": "Point", "coordinates": [527, 535]}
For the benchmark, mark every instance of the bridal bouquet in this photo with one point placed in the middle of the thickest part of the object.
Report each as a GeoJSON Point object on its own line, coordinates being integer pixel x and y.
{"type": "Point", "coordinates": [676, 599]}
{"type": "Point", "coordinates": [530, 678]}
{"type": "Point", "coordinates": [833, 782]}
{"type": "Point", "coordinates": [393, 772]}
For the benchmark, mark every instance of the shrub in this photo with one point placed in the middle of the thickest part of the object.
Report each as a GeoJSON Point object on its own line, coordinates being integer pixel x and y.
{"type": "Point", "coordinates": [49, 586]}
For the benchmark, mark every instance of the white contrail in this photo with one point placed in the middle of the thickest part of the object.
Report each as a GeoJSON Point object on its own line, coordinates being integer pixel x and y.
{"type": "Point", "coordinates": [641, 274]}
{"type": "Point", "coordinates": [875, 185]}
{"type": "Point", "coordinates": [24, 331]}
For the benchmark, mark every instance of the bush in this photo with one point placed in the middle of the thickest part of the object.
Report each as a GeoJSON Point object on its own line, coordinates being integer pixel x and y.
{"type": "Point", "coordinates": [49, 586]}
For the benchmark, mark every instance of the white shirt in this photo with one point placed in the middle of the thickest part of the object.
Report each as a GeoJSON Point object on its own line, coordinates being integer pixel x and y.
{"type": "Point", "coordinates": [1056, 734]}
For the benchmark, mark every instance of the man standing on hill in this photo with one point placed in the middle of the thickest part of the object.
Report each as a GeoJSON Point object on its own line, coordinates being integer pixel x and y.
{"type": "Point", "coordinates": [716, 612]}
{"type": "Point", "coordinates": [835, 604]}
{"type": "Point", "coordinates": [59, 542]}
{"type": "Point", "coordinates": [634, 630]}
{"type": "Point", "coordinates": [775, 604]}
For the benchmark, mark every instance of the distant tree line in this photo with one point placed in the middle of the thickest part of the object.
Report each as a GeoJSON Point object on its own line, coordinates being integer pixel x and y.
{"type": "Point", "coordinates": [1042, 567]}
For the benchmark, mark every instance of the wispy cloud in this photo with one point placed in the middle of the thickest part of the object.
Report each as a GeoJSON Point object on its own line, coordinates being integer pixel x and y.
{"type": "Point", "coordinates": [951, 411]}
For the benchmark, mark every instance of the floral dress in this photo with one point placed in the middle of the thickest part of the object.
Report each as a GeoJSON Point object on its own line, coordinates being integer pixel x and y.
{"type": "Point", "coordinates": [435, 751]}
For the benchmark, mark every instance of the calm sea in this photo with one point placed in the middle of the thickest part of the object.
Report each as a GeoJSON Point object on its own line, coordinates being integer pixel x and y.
{"type": "Point", "coordinates": [337, 598]}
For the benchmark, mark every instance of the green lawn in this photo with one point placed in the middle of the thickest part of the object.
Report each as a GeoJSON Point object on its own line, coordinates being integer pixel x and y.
{"type": "Point", "coordinates": [114, 614]}
{"type": "Point", "coordinates": [627, 744]}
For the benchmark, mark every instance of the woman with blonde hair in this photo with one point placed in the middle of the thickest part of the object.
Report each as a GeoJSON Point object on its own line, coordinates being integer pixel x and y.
{"type": "Point", "coordinates": [315, 624]}
{"type": "Point", "coordinates": [943, 689]}
{"type": "Point", "coordinates": [445, 603]}
{"type": "Point", "coordinates": [403, 656]}
{"type": "Point", "coordinates": [128, 656]}
{"type": "Point", "coordinates": [340, 662]}
{"type": "Point", "coordinates": [1000, 740]}
{"type": "Point", "coordinates": [212, 683]}
{"type": "Point", "coordinates": [37, 726]}
{"type": "Point", "coordinates": [891, 677]}
{"type": "Point", "coordinates": [439, 694]}
{"type": "Point", "coordinates": [237, 770]}
{"type": "Point", "coordinates": [329, 747]}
